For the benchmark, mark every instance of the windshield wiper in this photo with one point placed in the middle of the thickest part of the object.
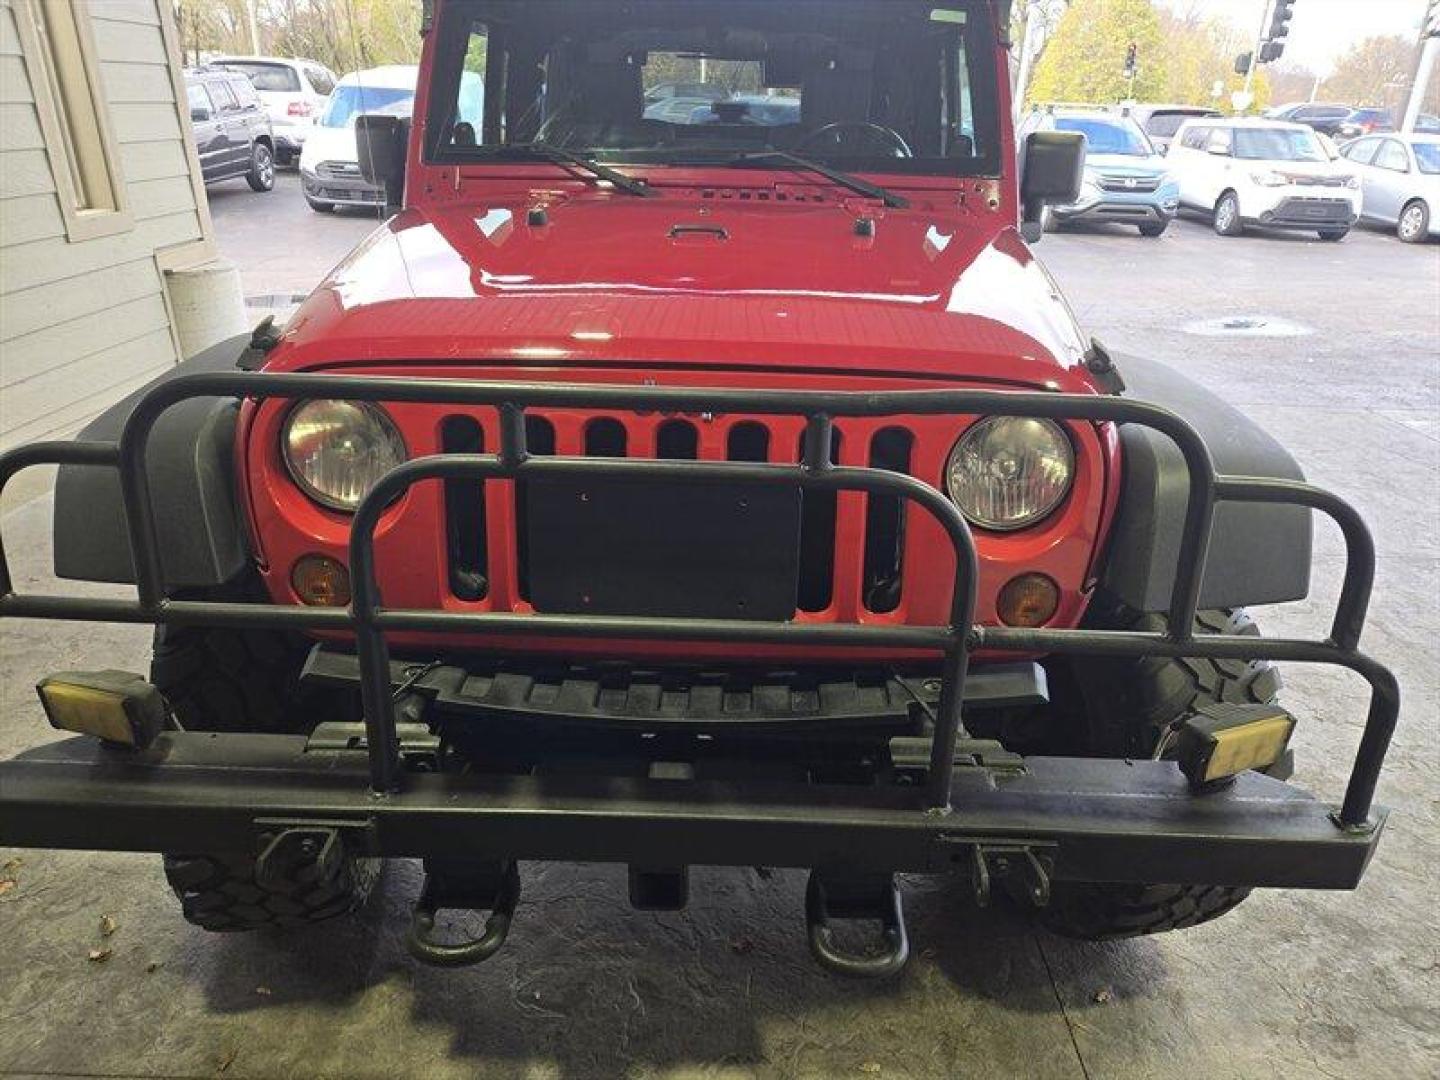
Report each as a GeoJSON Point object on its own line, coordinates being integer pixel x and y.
{"type": "Point", "coordinates": [544, 151]}
{"type": "Point", "coordinates": [835, 176]}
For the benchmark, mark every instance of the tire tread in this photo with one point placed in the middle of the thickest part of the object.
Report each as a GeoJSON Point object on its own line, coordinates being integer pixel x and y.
{"type": "Point", "coordinates": [219, 893]}
{"type": "Point", "coordinates": [1130, 703]}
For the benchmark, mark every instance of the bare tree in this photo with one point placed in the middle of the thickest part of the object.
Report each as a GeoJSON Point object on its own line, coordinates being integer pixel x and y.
{"type": "Point", "coordinates": [1377, 71]}
{"type": "Point", "coordinates": [343, 34]}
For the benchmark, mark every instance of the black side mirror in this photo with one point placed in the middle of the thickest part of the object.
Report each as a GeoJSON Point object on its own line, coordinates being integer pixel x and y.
{"type": "Point", "coordinates": [199, 116]}
{"type": "Point", "coordinates": [382, 142]}
{"type": "Point", "coordinates": [1051, 171]}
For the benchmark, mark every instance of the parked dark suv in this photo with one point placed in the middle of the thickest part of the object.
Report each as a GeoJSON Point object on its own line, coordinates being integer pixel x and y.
{"type": "Point", "coordinates": [232, 131]}
{"type": "Point", "coordinates": [1366, 121]}
{"type": "Point", "coordinates": [1326, 119]}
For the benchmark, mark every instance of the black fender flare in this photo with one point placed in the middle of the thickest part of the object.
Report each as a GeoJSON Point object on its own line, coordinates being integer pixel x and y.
{"type": "Point", "coordinates": [190, 465]}
{"type": "Point", "coordinates": [1259, 554]}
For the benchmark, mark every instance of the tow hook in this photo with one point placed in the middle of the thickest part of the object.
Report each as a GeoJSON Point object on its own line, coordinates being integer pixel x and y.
{"type": "Point", "coordinates": [1018, 862]}
{"type": "Point", "coordinates": [464, 885]}
{"type": "Point", "coordinates": [872, 897]}
{"type": "Point", "coordinates": [295, 854]}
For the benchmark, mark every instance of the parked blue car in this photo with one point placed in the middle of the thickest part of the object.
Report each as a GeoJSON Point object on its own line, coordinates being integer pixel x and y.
{"type": "Point", "coordinates": [1125, 177]}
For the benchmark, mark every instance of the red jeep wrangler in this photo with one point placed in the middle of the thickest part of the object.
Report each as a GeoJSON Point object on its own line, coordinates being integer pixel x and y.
{"type": "Point", "coordinates": [698, 468]}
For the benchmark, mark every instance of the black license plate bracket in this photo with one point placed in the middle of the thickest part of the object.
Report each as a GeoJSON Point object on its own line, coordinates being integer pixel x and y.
{"type": "Point", "coordinates": [662, 548]}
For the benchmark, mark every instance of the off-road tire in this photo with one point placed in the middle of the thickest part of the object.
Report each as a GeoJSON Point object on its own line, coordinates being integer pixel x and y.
{"type": "Point", "coordinates": [223, 679]}
{"type": "Point", "coordinates": [1228, 222]}
{"type": "Point", "coordinates": [319, 206]}
{"type": "Point", "coordinates": [1413, 227]}
{"type": "Point", "coordinates": [1099, 912]}
{"type": "Point", "coordinates": [219, 892]}
{"type": "Point", "coordinates": [261, 176]}
{"type": "Point", "coordinates": [1129, 703]}
{"type": "Point", "coordinates": [1153, 230]}
{"type": "Point", "coordinates": [1333, 236]}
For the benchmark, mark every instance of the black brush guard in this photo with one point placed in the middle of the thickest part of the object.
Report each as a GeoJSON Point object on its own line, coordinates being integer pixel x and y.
{"type": "Point", "coordinates": [1063, 817]}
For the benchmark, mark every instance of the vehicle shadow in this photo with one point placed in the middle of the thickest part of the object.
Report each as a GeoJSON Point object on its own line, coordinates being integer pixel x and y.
{"type": "Point", "coordinates": [589, 988]}
{"type": "Point", "coordinates": [1097, 228]}
{"type": "Point", "coordinates": [1255, 232]}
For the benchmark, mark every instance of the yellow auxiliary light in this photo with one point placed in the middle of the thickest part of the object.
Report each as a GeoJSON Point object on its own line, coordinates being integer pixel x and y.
{"type": "Point", "coordinates": [116, 706]}
{"type": "Point", "coordinates": [1222, 741]}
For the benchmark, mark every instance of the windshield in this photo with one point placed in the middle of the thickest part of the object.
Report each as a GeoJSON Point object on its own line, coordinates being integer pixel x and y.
{"type": "Point", "coordinates": [1427, 156]}
{"type": "Point", "coordinates": [348, 102]}
{"type": "Point", "coordinates": [1107, 136]}
{"type": "Point", "coordinates": [897, 87]}
{"type": "Point", "coordinates": [269, 78]}
{"type": "Point", "coordinates": [1165, 125]}
{"type": "Point", "coordinates": [1277, 144]}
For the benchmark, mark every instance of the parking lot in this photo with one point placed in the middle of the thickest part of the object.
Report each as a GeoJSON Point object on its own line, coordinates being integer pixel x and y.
{"type": "Point", "coordinates": [1333, 347]}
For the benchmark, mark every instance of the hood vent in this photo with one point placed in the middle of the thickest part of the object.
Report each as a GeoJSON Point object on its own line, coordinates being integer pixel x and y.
{"type": "Point", "coordinates": [762, 195]}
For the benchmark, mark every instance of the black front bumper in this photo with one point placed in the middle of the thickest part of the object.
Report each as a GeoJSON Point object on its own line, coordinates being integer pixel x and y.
{"type": "Point", "coordinates": [1087, 820]}
{"type": "Point", "coordinates": [342, 190]}
{"type": "Point", "coordinates": [1308, 213]}
{"type": "Point", "coordinates": [1095, 820]}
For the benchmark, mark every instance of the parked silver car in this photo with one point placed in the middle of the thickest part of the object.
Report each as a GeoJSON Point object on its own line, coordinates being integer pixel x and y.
{"type": "Point", "coordinates": [1401, 177]}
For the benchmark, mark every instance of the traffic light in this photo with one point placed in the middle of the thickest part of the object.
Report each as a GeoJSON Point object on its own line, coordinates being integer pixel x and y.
{"type": "Point", "coordinates": [1242, 63]}
{"type": "Point", "coordinates": [1273, 46]}
{"type": "Point", "coordinates": [1131, 59]}
{"type": "Point", "coordinates": [1432, 20]}
{"type": "Point", "coordinates": [1280, 20]}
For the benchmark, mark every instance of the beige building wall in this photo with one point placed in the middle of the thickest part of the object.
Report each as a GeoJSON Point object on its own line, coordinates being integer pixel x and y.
{"type": "Point", "coordinates": [85, 314]}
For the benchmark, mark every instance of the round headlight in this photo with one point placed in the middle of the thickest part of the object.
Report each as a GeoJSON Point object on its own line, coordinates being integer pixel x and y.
{"type": "Point", "coordinates": [1007, 472]}
{"type": "Point", "coordinates": [338, 450]}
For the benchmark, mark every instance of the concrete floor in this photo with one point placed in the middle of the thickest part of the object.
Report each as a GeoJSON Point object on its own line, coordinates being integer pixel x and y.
{"type": "Point", "coordinates": [1291, 985]}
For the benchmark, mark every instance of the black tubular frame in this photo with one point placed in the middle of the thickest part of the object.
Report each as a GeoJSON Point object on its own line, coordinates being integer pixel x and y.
{"type": "Point", "coordinates": [370, 621]}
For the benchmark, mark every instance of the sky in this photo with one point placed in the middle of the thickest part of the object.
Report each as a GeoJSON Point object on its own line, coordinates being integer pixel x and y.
{"type": "Point", "coordinates": [1322, 30]}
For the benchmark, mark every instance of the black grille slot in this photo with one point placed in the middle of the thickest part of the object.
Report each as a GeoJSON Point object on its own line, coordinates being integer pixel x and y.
{"type": "Point", "coordinates": [605, 437]}
{"type": "Point", "coordinates": [748, 441]}
{"type": "Point", "coordinates": [465, 513]}
{"type": "Point", "coordinates": [539, 435]}
{"type": "Point", "coordinates": [885, 524]}
{"type": "Point", "coordinates": [677, 440]}
{"type": "Point", "coordinates": [539, 440]}
{"type": "Point", "coordinates": [817, 540]}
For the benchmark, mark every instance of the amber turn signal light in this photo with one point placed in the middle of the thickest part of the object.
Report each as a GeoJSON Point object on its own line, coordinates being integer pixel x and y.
{"type": "Point", "coordinates": [1029, 600]}
{"type": "Point", "coordinates": [1223, 740]}
{"type": "Point", "coordinates": [121, 708]}
{"type": "Point", "coordinates": [321, 581]}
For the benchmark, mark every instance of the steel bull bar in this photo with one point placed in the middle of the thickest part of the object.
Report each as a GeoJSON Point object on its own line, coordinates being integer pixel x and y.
{"type": "Point", "coordinates": [1058, 817]}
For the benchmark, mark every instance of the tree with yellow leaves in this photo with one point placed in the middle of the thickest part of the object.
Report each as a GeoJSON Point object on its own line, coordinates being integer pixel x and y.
{"type": "Point", "coordinates": [1085, 60]}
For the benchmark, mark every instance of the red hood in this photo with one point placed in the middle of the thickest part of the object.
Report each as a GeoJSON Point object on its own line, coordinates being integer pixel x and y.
{"type": "Point", "coordinates": [610, 278]}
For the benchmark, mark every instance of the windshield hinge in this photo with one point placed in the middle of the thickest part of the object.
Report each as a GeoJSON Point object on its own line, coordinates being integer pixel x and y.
{"type": "Point", "coordinates": [1100, 364]}
{"type": "Point", "coordinates": [266, 336]}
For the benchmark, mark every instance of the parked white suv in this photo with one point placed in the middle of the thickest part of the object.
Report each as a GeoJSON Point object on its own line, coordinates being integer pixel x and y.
{"type": "Point", "coordinates": [293, 93]}
{"type": "Point", "coordinates": [1263, 172]}
{"type": "Point", "coordinates": [330, 165]}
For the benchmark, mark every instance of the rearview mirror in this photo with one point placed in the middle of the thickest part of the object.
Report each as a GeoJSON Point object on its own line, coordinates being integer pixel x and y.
{"type": "Point", "coordinates": [1051, 171]}
{"type": "Point", "coordinates": [381, 143]}
{"type": "Point", "coordinates": [1218, 150]}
